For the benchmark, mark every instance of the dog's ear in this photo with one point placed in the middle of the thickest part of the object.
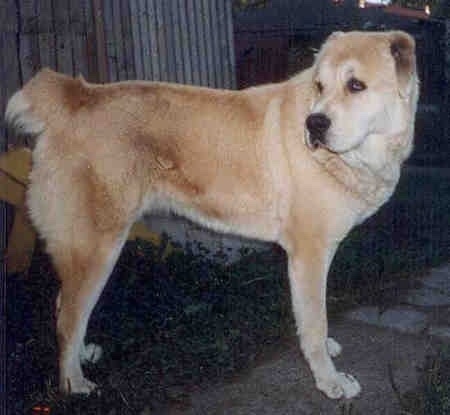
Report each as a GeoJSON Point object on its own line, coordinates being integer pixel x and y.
{"type": "Point", "coordinates": [403, 50]}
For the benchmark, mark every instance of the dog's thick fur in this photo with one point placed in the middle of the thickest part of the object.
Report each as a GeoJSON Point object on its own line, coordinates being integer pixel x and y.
{"type": "Point", "coordinates": [235, 161]}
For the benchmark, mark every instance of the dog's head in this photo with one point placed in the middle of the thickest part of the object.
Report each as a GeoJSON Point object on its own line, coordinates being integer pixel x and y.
{"type": "Point", "coordinates": [366, 87]}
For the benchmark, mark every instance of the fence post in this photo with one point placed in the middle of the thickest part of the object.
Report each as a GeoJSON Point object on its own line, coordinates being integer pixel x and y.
{"type": "Point", "coordinates": [102, 62]}
{"type": "Point", "coordinates": [447, 77]}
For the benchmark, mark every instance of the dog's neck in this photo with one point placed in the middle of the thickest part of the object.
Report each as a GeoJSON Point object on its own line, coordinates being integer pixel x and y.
{"type": "Point", "coordinates": [369, 178]}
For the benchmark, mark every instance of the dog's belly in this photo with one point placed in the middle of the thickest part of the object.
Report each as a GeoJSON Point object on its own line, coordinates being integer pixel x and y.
{"type": "Point", "coordinates": [255, 219]}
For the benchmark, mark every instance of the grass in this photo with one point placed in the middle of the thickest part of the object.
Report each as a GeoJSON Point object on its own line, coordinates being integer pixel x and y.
{"type": "Point", "coordinates": [183, 320]}
{"type": "Point", "coordinates": [432, 396]}
{"type": "Point", "coordinates": [168, 324]}
{"type": "Point", "coordinates": [407, 236]}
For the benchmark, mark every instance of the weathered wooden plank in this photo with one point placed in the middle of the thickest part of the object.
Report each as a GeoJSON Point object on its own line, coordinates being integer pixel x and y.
{"type": "Point", "coordinates": [153, 41]}
{"type": "Point", "coordinates": [28, 16]}
{"type": "Point", "coordinates": [98, 56]}
{"type": "Point", "coordinates": [216, 55]}
{"type": "Point", "coordinates": [77, 17]}
{"type": "Point", "coordinates": [223, 44]}
{"type": "Point", "coordinates": [61, 16]}
{"type": "Point", "coordinates": [64, 57]}
{"type": "Point", "coordinates": [9, 21]}
{"type": "Point", "coordinates": [192, 44]}
{"type": "Point", "coordinates": [145, 39]}
{"type": "Point", "coordinates": [137, 22]}
{"type": "Point", "coordinates": [109, 41]}
{"type": "Point", "coordinates": [44, 11]}
{"type": "Point", "coordinates": [128, 40]}
{"type": "Point", "coordinates": [80, 54]}
{"type": "Point", "coordinates": [88, 10]}
{"type": "Point", "coordinates": [3, 99]}
{"type": "Point", "coordinates": [64, 61]}
{"type": "Point", "coordinates": [78, 29]}
{"type": "Point", "coordinates": [118, 40]}
{"type": "Point", "coordinates": [10, 66]}
{"type": "Point", "coordinates": [230, 41]}
{"type": "Point", "coordinates": [46, 37]}
{"type": "Point", "coordinates": [29, 55]}
{"type": "Point", "coordinates": [162, 45]}
{"type": "Point", "coordinates": [47, 50]}
{"type": "Point", "coordinates": [186, 58]}
{"type": "Point", "coordinates": [168, 11]}
{"type": "Point", "coordinates": [177, 9]}
{"type": "Point", "coordinates": [202, 41]}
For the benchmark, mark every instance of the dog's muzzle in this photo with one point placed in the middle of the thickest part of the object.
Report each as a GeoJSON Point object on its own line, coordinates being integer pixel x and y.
{"type": "Point", "coordinates": [317, 124]}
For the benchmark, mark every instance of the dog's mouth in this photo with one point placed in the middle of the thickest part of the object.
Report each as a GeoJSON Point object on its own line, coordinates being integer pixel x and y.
{"type": "Point", "coordinates": [314, 142]}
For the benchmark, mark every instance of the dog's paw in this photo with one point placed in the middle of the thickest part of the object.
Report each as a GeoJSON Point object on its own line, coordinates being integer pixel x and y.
{"type": "Point", "coordinates": [343, 385]}
{"type": "Point", "coordinates": [333, 347]}
{"type": "Point", "coordinates": [91, 353]}
{"type": "Point", "coordinates": [78, 385]}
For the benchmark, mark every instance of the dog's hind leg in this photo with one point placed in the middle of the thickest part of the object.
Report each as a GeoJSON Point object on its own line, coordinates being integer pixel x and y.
{"type": "Point", "coordinates": [83, 274]}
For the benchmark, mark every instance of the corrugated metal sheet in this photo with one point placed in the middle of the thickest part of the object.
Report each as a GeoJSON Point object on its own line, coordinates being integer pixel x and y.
{"type": "Point", "coordinates": [186, 41]}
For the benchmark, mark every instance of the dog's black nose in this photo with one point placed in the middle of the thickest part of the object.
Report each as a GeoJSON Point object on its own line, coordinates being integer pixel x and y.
{"type": "Point", "coordinates": [318, 124]}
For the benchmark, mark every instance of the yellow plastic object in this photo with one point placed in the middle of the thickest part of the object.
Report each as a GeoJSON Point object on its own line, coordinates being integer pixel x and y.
{"type": "Point", "coordinates": [15, 166]}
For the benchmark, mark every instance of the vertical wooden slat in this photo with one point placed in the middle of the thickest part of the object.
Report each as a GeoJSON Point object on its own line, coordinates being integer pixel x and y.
{"type": "Point", "coordinates": [118, 39]}
{"type": "Point", "coordinates": [44, 13]}
{"type": "Point", "coordinates": [231, 70]}
{"type": "Point", "coordinates": [64, 60]}
{"type": "Point", "coordinates": [9, 16]}
{"type": "Point", "coordinates": [11, 74]}
{"type": "Point", "coordinates": [109, 41]}
{"type": "Point", "coordinates": [28, 39]}
{"type": "Point", "coordinates": [100, 38]}
{"type": "Point", "coordinates": [177, 7]}
{"type": "Point", "coordinates": [28, 16]}
{"type": "Point", "coordinates": [10, 64]}
{"type": "Point", "coordinates": [169, 30]}
{"type": "Point", "coordinates": [216, 54]}
{"type": "Point", "coordinates": [47, 45]}
{"type": "Point", "coordinates": [79, 37]}
{"type": "Point", "coordinates": [77, 17]}
{"type": "Point", "coordinates": [3, 94]}
{"type": "Point", "coordinates": [186, 57]}
{"type": "Point", "coordinates": [80, 56]}
{"type": "Point", "coordinates": [193, 42]}
{"type": "Point", "coordinates": [148, 38]}
{"type": "Point", "coordinates": [29, 56]}
{"type": "Point", "coordinates": [202, 40]}
{"type": "Point", "coordinates": [91, 74]}
{"type": "Point", "coordinates": [153, 41]}
{"type": "Point", "coordinates": [162, 47]}
{"type": "Point", "coordinates": [223, 41]}
{"type": "Point", "coordinates": [127, 32]}
{"type": "Point", "coordinates": [137, 21]}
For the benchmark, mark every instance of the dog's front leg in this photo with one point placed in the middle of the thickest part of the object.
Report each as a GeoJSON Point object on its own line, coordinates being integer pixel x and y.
{"type": "Point", "coordinates": [308, 277]}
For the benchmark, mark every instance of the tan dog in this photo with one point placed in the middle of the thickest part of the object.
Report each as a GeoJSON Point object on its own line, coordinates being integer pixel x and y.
{"type": "Point", "coordinates": [235, 161]}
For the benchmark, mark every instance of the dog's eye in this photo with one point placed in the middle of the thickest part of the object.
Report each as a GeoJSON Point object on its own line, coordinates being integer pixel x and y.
{"type": "Point", "coordinates": [319, 87]}
{"type": "Point", "coordinates": [355, 85]}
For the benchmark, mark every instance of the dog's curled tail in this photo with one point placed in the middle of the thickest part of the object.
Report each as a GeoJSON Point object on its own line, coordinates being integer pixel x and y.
{"type": "Point", "coordinates": [41, 103]}
{"type": "Point", "coordinates": [19, 116]}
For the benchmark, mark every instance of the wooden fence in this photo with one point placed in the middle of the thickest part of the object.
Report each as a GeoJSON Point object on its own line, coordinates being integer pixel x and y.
{"type": "Point", "coordinates": [187, 41]}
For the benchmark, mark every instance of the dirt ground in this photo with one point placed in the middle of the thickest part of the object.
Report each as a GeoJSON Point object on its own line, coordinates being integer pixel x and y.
{"type": "Point", "coordinates": [281, 383]}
